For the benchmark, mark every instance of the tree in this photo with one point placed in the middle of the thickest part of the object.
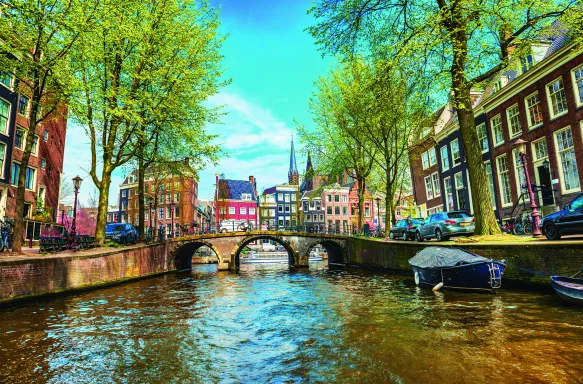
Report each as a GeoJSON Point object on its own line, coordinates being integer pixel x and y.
{"type": "Point", "coordinates": [67, 192]}
{"type": "Point", "coordinates": [38, 37]}
{"type": "Point", "coordinates": [459, 43]}
{"type": "Point", "coordinates": [146, 69]}
{"type": "Point", "coordinates": [341, 110]}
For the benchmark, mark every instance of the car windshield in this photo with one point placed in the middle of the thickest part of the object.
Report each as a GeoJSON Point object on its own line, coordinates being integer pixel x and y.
{"type": "Point", "coordinates": [114, 227]}
{"type": "Point", "coordinates": [458, 215]}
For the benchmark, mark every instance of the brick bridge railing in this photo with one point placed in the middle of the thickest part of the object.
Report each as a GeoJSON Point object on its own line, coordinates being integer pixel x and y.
{"type": "Point", "coordinates": [228, 247]}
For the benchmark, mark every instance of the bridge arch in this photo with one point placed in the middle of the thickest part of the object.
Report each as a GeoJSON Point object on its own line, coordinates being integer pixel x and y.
{"type": "Point", "coordinates": [293, 256]}
{"type": "Point", "coordinates": [335, 249]}
{"type": "Point", "coordinates": [180, 257]}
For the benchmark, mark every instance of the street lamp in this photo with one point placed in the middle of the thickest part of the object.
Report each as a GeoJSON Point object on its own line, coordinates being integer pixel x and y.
{"type": "Point", "coordinates": [521, 148]}
{"type": "Point", "coordinates": [172, 205]}
{"type": "Point", "coordinates": [378, 200]}
{"type": "Point", "coordinates": [76, 184]}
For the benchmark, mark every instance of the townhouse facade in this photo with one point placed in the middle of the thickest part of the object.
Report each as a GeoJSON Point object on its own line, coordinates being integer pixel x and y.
{"type": "Point", "coordinates": [236, 200]}
{"type": "Point", "coordinates": [313, 210]}
{"type": "Point", "coordinates": [268, 208]}
{"type": "Point", "coordinates": [45, 168]}
{"type": "Point", "coordinates": [540, 103]}
{"type": "Point", "coordinates": [287, 198]}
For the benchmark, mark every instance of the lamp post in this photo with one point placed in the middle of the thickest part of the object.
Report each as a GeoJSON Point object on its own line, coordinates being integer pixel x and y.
{"type": "Point", "coordinates": [76, 184]}
{"type": "Point", "coordinates": [534, 214]}
{"type": "Point", "coordinates": [150, 215]}
{"type": "Point", "coordinates": [378, 200]}
{"type": "Point", "coordinates": [172, 204]}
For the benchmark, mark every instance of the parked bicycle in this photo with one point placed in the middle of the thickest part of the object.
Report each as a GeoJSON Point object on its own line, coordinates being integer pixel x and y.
{"type": "Point", "coordinates": [6, 235]}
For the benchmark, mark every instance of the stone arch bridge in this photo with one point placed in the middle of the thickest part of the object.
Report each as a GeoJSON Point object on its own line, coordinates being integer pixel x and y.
{"type": "Point", "coordinates": [228, 247]}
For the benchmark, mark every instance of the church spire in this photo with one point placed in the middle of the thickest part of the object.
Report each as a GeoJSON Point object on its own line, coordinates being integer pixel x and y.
{"type": "Point", "coordinates": [308, 183]}
{"type": "Point", "coordinates": [293, 176]}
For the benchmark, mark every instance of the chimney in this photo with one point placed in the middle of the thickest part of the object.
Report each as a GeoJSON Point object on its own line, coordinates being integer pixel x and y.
{"type": "Point", "coordinates": [252, 180]}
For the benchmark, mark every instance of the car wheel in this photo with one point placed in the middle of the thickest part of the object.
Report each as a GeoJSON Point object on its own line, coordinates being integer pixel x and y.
{"type": "Point", "coordinates": [405, 236]}
{"type": "Point", "coordinates": [224, 230]}
{"type": "Point", "coordinates": [438, 235]}
{"type": "Point", "coordinates": [551, 231]}
{"type": "Point", "coordinates": [418, 237]}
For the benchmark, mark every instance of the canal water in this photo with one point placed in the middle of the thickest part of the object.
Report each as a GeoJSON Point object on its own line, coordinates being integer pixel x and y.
{"type": "Point", "coordinates": [273, 324]}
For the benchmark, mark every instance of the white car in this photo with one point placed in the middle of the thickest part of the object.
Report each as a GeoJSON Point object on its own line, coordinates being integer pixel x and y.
{"type": "Point", "coordinates": [233, 226]}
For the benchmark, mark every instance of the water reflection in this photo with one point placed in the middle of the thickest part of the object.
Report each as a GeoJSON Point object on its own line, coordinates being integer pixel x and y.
{"type": "Point", "coordinates": [270, 323]}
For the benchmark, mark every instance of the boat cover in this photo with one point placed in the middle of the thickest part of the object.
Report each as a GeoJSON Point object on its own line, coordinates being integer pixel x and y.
{"type": "Point", "coordinates": [442, 257]}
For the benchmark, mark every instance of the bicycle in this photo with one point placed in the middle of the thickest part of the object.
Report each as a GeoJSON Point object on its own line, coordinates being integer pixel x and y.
{"type": "Point", "coordinates": [244, 227]}
{"type": "Point", "coordinates": [149, 235]}
{"type": "Point", "coordinates": [6, 235]}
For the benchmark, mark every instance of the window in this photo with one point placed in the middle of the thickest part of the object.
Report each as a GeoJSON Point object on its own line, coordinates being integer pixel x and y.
{"type": "Point", "coordinates": [251, 211]}
{"type": "Point", "coordinates": [19, 139]}
{"type": "Point", "coordinates": [568, 171]}
{"type": "Point", "coordinates": [540, 150]}
{"type": "Point", "coordinates": [231, 210]}
{"type": "Point", "coordinates": [15, 172]}
{"type": "Point", "coordinates": [455, 152]}
{"type": "Point", "coordinates": [6, 79]}
{"type": "Point", "coordinates": [177, 196]}
{"type": "Point", "coordinates": [329, 210]}
{"type": "Point", "coordinates": [520, 176]}
{"type": "Point", "coordinates": [161, 213]}
{"type": "Point", "coordinates": [286, 208]}
{"type": "Point", "coordinates": [436, 189]}
{"type": "Point", "coordinates": [444, 158]}
{"type": "Point", "coordinates": [448, 193]}
{"type": "Point", "coordinates": [504, 180]}
{"type": "Point", "coordinates": [2, 156]}
{"type": "Point", "coordinates": [322, 218]}
{"type": "Point", "coordinates": [329, 198]}
{"type": "Point", "coordinates": [168, 212]}
{"type": "Point", "coordinates": [526, 63]}
{"type": "Point", "coordinates": [557, 98]}
{"type": "Point", "coordinates": [533, 111]}
{"type": "Point", "coordinates": [124, 205]}
{"type": "Point", "coordinates": [497, 135]}
{"type": "Point", "coordinates": [345, 211]}
{"type": "Point", "coordinates": [483, 137]}
{"type": "Point", "coordinates": [459, 180]}
{"type": "Point", "coordinates": [4, 116]}
{"type": "Point", "coordinates": [336, 210]}
{"type": "Point", "coordinates": [280, 196]}
{"type": "Point", "coordinates": [245, 196]}
{"type": "Point", "coordinates": [23, 105]}
{"type": "Point", "coordinates": [280, 208]}
{"type": "Point", "coordinates": [46, 135]}
{"type": "Point", "coordinates": [293, 196]}
{"type": "Point", "coordinates": [367, 210]}
{"type": "Point", "coordinates": [242, 210]}
{"type": "Point", "coordinates": [425, 160]}
{"type": "Point", "coordinates": [428, 188]}
{"type": "Point", "coordinates": [513, 118]}
{"type": "Point", "coordinates": [344, 198]}
{"type": "Point", "coordinates": [124, 192]}
{"type": "Point", "coordinates": [308, 217]}
{"type": "Point", "coordinates": [176, 211]}
{"type": "Point", "coordinates": [488, 168]}
{"type": "Point", "coordinates": [286, 197]}
{"type": "Point", "coordinates": [432, 156]}
{"type": "Point", "coordinates": [34, 145]}
{"type": "Point", "coordinates": [578, 88]}
{"type": "Point", "coordinates": [336, 198]}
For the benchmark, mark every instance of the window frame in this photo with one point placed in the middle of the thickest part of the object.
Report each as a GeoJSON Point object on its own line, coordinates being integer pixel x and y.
{"type": "Point", "coordinates": [560, 163]}
{"type": "Point", "coordinates": [491, 186]}
{"type": "Point", "coordinates": [446, 158]}
{"type": "Point", "coordinates": [493, 126]}
{"type": "Point", "coordinates": [500, 174]}
{"type": "Point", "coordinates": [3, 160]}
{"type": "Point", "coordinates": [432, 149]}
{"type": "Point", "coordinates": [576, 90]}
{"type": "Point", "coordinates": [514, 117]}
{"type": "Point", "coordinates": [528, 112]}
{"type": "Point", "coordinates": [484, 137]}
{"type": "Point", "coordinates": [454, 164]}
{"type": "Point", "coordinates": [519, 176]}
{"type": "Point", "coordinates": [6, 130]}
{"type": "Point", "coordinates": [436, 185]}
{"type": "Point", "coordinates": [446, 182]}
{"type": "Point", "coordinates": [232, 211]}
{"type": "Point", "coordinates": [25, 114]}
{"type": "Point", "coordinates": [549, 99]}
{"type": "Point", "coordinates": [425, 160]}
{"type": "Point", "coordinates": [428, 187]}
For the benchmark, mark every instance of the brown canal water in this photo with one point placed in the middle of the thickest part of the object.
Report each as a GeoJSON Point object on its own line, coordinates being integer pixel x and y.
{"type": "Point", "coordinates": [272, 324]}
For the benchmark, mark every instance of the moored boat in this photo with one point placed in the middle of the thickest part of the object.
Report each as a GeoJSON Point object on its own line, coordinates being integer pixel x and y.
{"type": "Point", "coordinates": [456, 268]}
{"type": "Point", "coordinates": [569, 289]}
{"type": "Point", "coordinates": [279, 258]}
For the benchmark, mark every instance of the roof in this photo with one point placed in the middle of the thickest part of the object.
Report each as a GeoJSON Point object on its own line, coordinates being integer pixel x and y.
{"type": "Point", "coordinates": [233, 189]}
{"type": "Point", "coordinates": [269, 191]}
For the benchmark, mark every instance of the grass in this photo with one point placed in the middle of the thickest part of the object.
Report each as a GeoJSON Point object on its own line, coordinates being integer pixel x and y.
{"type": "Point", "coordinates": [502, 238]}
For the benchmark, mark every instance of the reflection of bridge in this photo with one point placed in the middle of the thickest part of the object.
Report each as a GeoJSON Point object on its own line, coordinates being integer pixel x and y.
{"type": "Point", "coordinates": [228, 247]}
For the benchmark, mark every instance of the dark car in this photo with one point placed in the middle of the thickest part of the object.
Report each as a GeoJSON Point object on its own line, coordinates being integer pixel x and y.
{"type": "Point", "coordinates": [444, 225]}
{"type": "Point", "coordinates": [405, 229]}
{"type": "Point", "coordinates": [565, 222]}
{"type": "Point", "coordinates": [121, 233]}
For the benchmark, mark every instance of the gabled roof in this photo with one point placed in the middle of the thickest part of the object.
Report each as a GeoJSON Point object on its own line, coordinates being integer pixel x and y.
{"type": "Point", "coordinates": [232, 189]}
{"type": "Point", "coordinates": [269, 191]}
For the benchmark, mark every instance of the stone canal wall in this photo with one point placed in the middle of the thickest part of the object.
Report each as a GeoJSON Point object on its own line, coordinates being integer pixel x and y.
{"type": "Point", "coordinates": [561, 257]}
{"type": "Point", "coordinates": [28, 276]}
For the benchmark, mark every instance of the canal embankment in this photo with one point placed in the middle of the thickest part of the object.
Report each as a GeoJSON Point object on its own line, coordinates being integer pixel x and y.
{"type": "Point", "coordinates": [530, 263]}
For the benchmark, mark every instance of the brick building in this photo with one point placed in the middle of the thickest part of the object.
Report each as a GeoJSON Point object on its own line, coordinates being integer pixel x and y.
{"type": "Point", "coordinates": [539, 101]}
{"type": "Point", "coordinates": [236, 200]}
{"type": "Point", "coordinates": [43, 175]}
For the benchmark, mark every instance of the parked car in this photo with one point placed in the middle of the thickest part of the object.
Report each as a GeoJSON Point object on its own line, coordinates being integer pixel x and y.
{"type": "Point", "coordinates": [121, 233]}
{"type": "Point", "coordinates": [234, 226]}
{"type": "Point", "coordinates": [444, 225]}
{"type": "Point", "coordinates": [405, 229]}
{"type": "Point", "coordinates": [567, 221]}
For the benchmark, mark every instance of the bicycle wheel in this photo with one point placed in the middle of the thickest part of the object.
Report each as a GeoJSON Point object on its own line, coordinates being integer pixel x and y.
{"type": "Point", "coordinates": [528, 229]}
{"type": "Point", "coordinates": [518, 229]}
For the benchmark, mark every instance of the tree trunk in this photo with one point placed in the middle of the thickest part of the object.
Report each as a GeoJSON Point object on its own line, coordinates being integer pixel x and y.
{"type": "Point", "coordinates": [103, 189]}
{"type": "Point", "coordinates": [360, 203]}
{"type": "Point", "coordinates": [141, 201]}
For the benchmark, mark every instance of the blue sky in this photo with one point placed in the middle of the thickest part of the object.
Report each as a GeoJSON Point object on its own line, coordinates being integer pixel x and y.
{"type": "Point", "coordinates": [272, 62]}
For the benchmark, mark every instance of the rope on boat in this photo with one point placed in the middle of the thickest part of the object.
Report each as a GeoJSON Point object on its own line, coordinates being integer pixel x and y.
{"type": "Point", "coordinates": [544, 273]}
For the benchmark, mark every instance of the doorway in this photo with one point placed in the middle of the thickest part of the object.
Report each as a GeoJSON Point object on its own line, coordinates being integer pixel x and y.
{"type": "Point", "coordinates": [546, 192]}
